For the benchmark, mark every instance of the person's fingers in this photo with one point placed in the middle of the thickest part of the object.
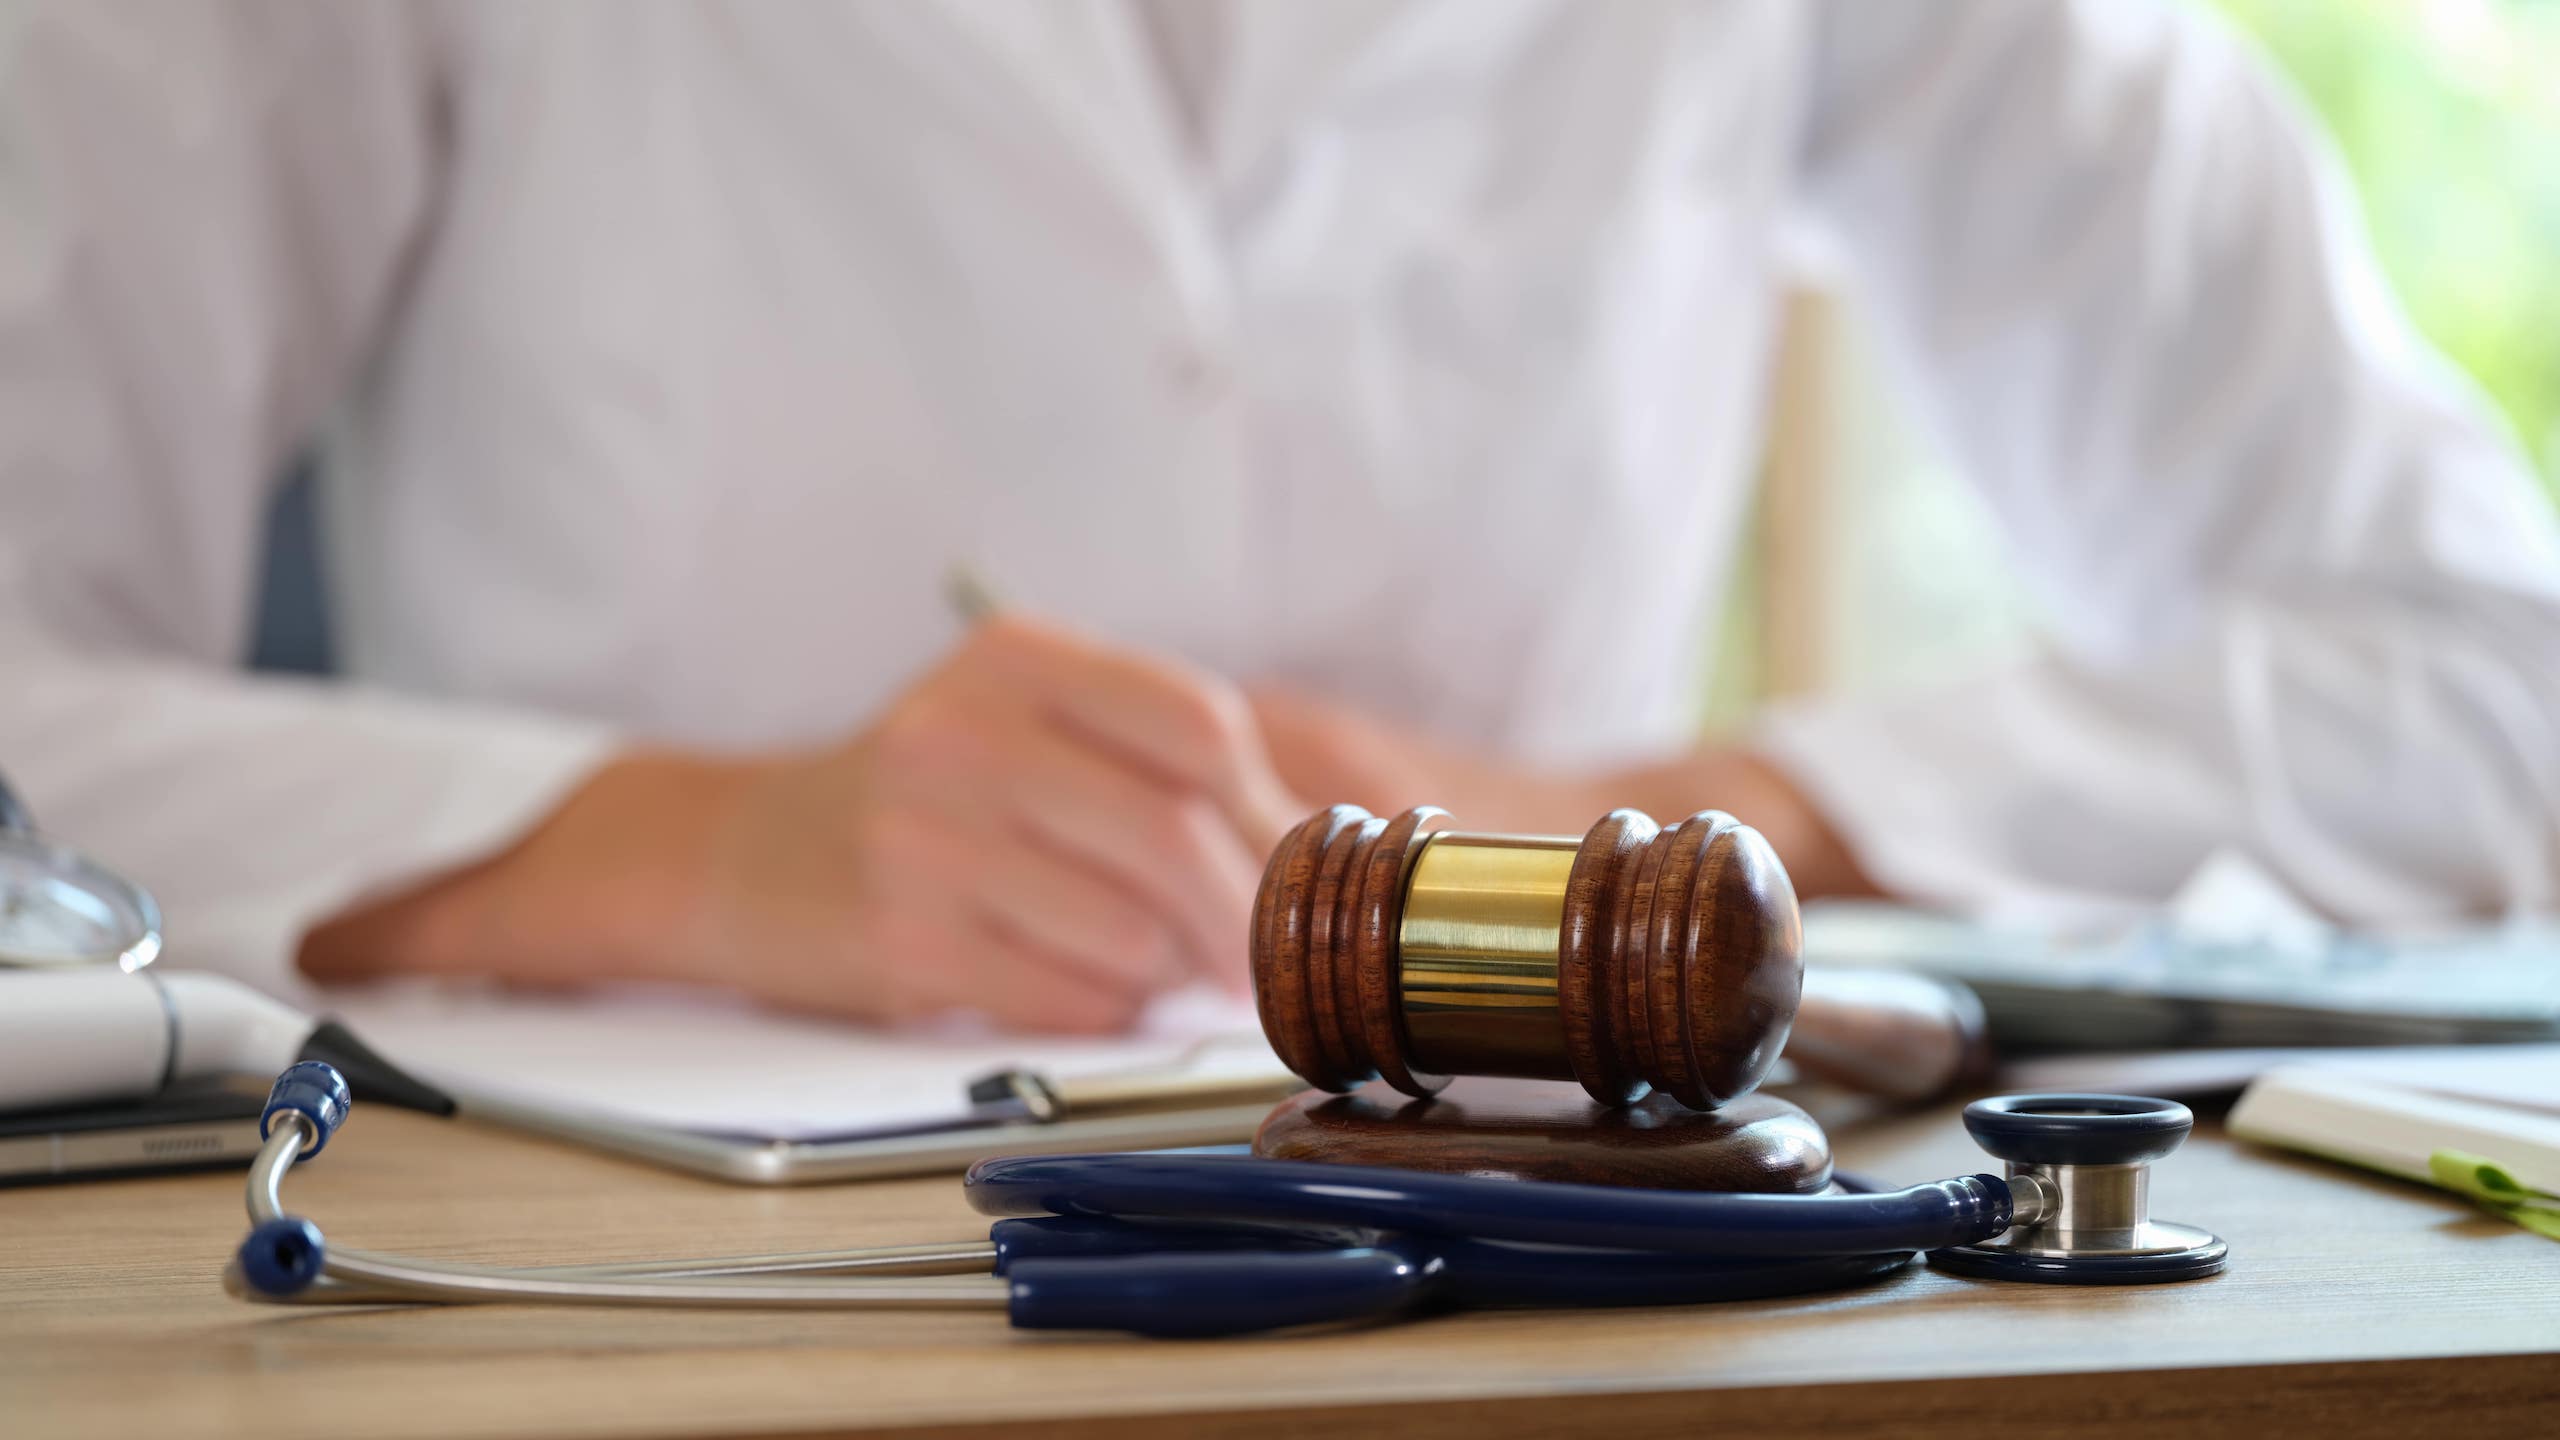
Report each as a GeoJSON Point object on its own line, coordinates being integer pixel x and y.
{"type": "Point", "coordinates": [957, 783]}
{"type": "Point", "coordinates": [1172, 847]}
{"type": "Point", "coordinates": [1188, 727]}
{"type": "Point", "coordinates": [1028, 986]}
{"type": "Point", "coordinates": [1077, 913]}
{"type": "Point", "coordinates": [1326, 753]}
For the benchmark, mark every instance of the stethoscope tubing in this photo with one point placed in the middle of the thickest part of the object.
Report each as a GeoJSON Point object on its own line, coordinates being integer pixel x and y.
{"type": "Point", "coordinates": [1245, 1190]}
{"type": "Point", "coordinates": [1199, 1245]}
{"type": "Point", "coordinates": [1085, 1273]}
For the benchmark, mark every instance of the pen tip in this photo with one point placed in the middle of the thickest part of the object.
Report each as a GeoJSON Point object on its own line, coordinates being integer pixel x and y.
{"type": "Point", "coordinates": [967, 593]}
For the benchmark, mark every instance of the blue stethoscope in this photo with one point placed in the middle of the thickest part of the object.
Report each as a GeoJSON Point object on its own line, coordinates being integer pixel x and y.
{"type": "Point", "coordinates": [1176, 1244]}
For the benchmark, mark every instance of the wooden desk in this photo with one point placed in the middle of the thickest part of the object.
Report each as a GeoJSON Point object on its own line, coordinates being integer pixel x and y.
{"type": "Point", "coordinates": [2353, 1305]}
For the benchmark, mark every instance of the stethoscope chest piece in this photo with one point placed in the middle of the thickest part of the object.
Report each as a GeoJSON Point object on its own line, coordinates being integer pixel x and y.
{"type": "Point", "coordinates": [2080, 1172]}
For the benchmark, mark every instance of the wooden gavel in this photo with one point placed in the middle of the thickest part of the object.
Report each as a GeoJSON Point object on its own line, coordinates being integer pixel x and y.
{"type": "Point", "coordinates": [1637, 957]}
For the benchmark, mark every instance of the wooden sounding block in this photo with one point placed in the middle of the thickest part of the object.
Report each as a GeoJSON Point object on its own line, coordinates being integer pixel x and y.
{"type": "Point", "coordinates": [1532, 1130]}
{"type": "Point", "coordinates": [1635, 959]}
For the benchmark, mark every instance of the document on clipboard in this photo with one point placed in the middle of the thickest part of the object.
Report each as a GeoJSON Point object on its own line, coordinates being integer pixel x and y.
{"type": "Point", "coordinates": [712, 1084]}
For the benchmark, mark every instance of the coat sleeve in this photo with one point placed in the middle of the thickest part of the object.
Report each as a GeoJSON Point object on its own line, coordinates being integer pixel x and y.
{"type": "Point", "coordinates": [204, 210]}
{"type": "Point", "coordinates": [2300, 596]}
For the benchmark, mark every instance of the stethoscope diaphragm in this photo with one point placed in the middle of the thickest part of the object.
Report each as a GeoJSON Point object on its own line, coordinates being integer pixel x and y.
{"type": "Point", "coordinates": [2080, 1177]}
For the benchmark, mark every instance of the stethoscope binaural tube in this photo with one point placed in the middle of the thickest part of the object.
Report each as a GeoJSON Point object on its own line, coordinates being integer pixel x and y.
{"type": "Point", "coordinates": [1057, 1272]}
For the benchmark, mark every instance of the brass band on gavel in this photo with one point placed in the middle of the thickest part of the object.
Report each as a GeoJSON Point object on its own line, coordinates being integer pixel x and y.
{"type": "Point", "coordinates": [1635, 958]}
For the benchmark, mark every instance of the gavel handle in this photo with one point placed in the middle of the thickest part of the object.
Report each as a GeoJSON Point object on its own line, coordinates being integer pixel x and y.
{"type": "Point", "coordinates": [1888, 1033]}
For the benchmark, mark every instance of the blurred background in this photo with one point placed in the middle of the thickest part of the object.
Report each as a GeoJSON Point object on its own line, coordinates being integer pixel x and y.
{"type": "Point", "coordinates": [1877, 568]}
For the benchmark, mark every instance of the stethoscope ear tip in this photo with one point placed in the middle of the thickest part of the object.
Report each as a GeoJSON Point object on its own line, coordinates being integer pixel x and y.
{"type": "Point", "coordinates": [314, 1090]}
{"type": "Point", "coordinates": [281, 1257]}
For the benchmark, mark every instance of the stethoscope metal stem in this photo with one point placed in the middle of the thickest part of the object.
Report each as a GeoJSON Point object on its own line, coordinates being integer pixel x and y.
{"type": "Point", "coordinates": [946, 1276]}
{"type": "Point", "coordinates": [955, 1257]}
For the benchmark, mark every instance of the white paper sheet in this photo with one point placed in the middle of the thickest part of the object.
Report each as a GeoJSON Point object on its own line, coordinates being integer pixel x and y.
{"type": "Point", "coordinates": [708, 1062]}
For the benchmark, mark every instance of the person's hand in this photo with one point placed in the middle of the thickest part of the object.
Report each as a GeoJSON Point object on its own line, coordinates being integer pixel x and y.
{"type": "Point", "coordinates": [1330, 753]}
{"type": "Point", "coordinates": [1043, 830]}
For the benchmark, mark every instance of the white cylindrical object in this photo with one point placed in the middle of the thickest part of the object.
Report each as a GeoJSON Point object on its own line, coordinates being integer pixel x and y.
{"type": "Point", "coordinates": [76, 1036]}
{"type": "Point", "coordinates": [95, 1034]}
{"type": "Point", "coordinates": [226, 1028]}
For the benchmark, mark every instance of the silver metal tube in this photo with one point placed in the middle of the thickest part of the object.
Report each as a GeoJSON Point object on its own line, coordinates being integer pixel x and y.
{"type": "Point", "coordinates": [266, 1173]}
{"type": "Point", "coordinates": [395, 1277]}
{"type": "Point", "coordinates": [2088, 1206]}
{"type": "Point", "coordinates": [2032, 1198]}
{"type": "Point", "coordinates": [959, 1257]}
{"type": "Point", "coordinates": [352, 1277]}
{"type": "Point", "coordinates": [938, 1266]}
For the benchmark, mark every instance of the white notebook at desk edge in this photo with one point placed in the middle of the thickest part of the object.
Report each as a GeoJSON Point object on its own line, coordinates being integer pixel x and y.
{"type": "Point", "coordinates": [2323, 1112]}
{"type": "Point", "coordinates": [701, 1061]}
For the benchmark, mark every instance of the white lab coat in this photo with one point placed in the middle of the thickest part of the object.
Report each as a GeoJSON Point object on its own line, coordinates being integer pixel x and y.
{"type": "Point", "coordinates": [670, 352]}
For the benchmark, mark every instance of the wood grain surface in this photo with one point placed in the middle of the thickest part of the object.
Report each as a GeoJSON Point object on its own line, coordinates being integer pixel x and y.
{"type": "Point", "coordinates": [1372, 948]}
{"type": "Point", "coordinates": [1695, 938]}
{"type": "Point", "coordinates": [2352, 1306]}
{"type": "Point", "coordinates": [1533, 1130]}
{"type": "Point", "coordinates": [1324, 947]}
{"type": "Point", "coordinates": [1674, 959]}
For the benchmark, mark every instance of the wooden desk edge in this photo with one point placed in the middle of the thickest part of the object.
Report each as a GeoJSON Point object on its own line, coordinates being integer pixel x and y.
{"type": "Point", "coordinates": [2462, 1296]}
{"type": "Point", "coordinates": [2515, 1393]}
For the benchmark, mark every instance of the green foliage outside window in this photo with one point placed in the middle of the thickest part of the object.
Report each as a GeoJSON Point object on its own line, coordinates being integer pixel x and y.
{"type": "Point", "coordinates": [2448, 112]}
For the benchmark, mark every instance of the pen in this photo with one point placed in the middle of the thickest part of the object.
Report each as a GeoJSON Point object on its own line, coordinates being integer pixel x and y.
{"type": "Point", "coordinates": [968, 594]}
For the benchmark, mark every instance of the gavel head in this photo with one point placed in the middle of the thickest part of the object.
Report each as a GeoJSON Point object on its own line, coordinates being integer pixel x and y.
{"type": "Point", "coordinates": [1635, 958]}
